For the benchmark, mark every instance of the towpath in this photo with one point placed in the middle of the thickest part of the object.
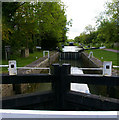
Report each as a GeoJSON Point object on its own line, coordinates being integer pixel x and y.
{"type": "Point", "coordinates": [116, 51]}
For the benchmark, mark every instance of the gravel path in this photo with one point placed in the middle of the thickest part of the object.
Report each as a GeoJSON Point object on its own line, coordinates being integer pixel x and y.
{"type": "Point", "coordinates": [116, 51]}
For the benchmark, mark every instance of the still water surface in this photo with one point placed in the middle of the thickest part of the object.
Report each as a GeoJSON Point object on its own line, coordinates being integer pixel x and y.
{"type": "Point", "coordinates": [75, 65]}
{"type": "Point", "coordinates": [106, 91]}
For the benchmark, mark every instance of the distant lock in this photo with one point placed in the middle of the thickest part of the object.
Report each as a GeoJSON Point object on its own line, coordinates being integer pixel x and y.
{"type": "Point", "coordinates": [12, 67]}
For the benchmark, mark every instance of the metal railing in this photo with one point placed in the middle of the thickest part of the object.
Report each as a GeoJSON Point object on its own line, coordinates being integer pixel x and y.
{"type": "Point", "coordinates": [90, 68]}
{"type": "Point", "coordinates": [4, 65]}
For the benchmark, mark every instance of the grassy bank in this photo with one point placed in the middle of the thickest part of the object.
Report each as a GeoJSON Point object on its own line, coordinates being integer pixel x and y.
{"type": "Point", "coordinates": [105, 56]}
{"type": "Point", "coordinates": [21, 61]}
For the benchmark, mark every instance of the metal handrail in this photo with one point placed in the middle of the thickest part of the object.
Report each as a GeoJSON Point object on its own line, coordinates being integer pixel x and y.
{"type": "Point", "coordinates": [32, 68]}
{"type": "Point", "coordinates": [114, 66]}
{"type": "Point", "coordinates": [90, 68]}
{"type": "Point", "coordinates": [26, 68]}
{"type": "Point", "coordinates": [4, 65]}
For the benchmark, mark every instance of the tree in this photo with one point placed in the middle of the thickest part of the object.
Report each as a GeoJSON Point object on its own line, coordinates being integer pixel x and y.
{"type": "Point", "coordinates": [89, 29]}
{"type": "Point", "coordinates": [108, 27]}
{"type": "Point", "coordinates": [27, 24]}
{"type": "Point", "coordinates": [53, 25]}
{"type": "Point", "coordinates": [113, 10]}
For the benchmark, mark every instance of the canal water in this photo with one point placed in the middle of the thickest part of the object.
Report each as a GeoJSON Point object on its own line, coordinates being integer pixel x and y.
{"type": "Point", "coordinates": [101, 90]}
{"type": "Point", "coordinates": [75, 65]}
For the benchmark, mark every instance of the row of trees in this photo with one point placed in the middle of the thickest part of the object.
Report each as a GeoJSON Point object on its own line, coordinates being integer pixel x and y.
{"type": "Point", "coordinates": [107, 30]}
{"type": "Point", "coordinates": [30, 24]}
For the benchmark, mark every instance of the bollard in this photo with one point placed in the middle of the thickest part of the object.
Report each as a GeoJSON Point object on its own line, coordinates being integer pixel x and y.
{"type": "Point", "coordinates": [12, 67]}
{"type": "Point", "coordinates": [107, 68]}
{"type": "Point", "coordinates": [13, 71]}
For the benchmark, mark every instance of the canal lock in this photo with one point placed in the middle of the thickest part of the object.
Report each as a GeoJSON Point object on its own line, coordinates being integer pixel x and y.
{"type": "Point", "coordinates": [77, 60]}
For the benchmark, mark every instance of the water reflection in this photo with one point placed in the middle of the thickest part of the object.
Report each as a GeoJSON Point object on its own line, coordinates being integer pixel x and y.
{"type": "Point", "coordinates": [75, 65]}
{"type": "Point", "coordinates": [71, 49]}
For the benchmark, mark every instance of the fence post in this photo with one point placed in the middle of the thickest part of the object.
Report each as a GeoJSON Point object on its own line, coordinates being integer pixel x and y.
{"type": "Point", "coordinates": [13, 71]}
{"type": "Point", "coordinates": [107, 68]}
{"type": "Point", "coordinates": [65, 84]}
{"type": "Point", "coordinates": [60, 84]}
{"type": "Point", "coordinates": [55, 85]}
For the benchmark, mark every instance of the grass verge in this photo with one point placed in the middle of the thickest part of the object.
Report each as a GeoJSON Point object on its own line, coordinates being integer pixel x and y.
{"type": "Point", "coordinates": [21, 61]}
{"type": "Point", "coordinates": [104, 55]}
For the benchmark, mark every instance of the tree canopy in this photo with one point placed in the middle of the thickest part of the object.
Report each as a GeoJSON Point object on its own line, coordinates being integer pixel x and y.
{"type": "Point", "coordinates": [107, 30]}
{"type": "Point", "coordinates": [30, 24]}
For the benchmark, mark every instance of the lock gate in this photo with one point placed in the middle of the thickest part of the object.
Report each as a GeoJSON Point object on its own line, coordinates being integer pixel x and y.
{"type": "Point", "coordinates": [60, 97]}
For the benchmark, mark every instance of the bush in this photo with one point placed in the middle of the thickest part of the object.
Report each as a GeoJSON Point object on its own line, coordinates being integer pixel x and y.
{"type": "Point", "coordinates": [109, 45]}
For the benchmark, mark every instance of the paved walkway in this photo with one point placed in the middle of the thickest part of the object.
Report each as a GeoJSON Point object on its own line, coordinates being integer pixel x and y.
{"type": "Point", "coordinates": [116, 51]}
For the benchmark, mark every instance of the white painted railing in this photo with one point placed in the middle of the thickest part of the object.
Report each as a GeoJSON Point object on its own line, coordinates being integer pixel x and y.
{"type": "Point", "coordinates": [46, 52]}
{"type": "Point", "coordinates": [4, 65]}
{"type": "Point", "coordinates": [12, 68]}
{"type": "Point", "coordinates": [32, 68]}
{"type": "Point", "coordinates": [107, 68]}
{"type": "Point", "coordinates": [91, 68]}
{"type": "Point", "coordinates": [114, 66]}
{"type": "Point", "coordinates": [90, 54]}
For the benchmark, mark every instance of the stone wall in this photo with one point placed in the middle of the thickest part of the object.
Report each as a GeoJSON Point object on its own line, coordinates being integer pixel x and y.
{"type": "Point", "coordinates": [7, 90]}
{"type": "Point", "coordinates": [91, 62]}
{"type": "Point", "coordinates": [42, 62]}
{"type": "Point", "coordinates": [94, 62]}
{"type": "Point", "coordinates": [97, 89]}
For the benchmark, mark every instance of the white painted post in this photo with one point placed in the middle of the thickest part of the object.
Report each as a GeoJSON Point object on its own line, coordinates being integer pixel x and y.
{"type": "Point", "coordinates": [107, 68]}
{"type": "Point", "coordinates": [48, 55]}
{"type": "Point", "coordinates": [44, 54]}
{"type": "Point", "coordinates": [12, 67]}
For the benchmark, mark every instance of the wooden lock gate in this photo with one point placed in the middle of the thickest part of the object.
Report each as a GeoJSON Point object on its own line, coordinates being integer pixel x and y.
{"type": "Point", "coordinates": [60, 97]}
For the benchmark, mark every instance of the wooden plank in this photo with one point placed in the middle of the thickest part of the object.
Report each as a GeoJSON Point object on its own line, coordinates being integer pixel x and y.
{"type": "Point", "coordinates": [96, 80]}
{"type": "Point", "coordinates": [26, 100]}
{"type": "Point", "coordinates": [60, 85]}
{"type": "Point", "coordinates": [92, 102]}
{"type": "Point", "coordinates": [29, 78]}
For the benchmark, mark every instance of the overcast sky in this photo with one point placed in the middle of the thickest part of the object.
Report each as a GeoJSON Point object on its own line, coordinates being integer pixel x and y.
{"type": "Point", "coordinates": [83, 13]}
